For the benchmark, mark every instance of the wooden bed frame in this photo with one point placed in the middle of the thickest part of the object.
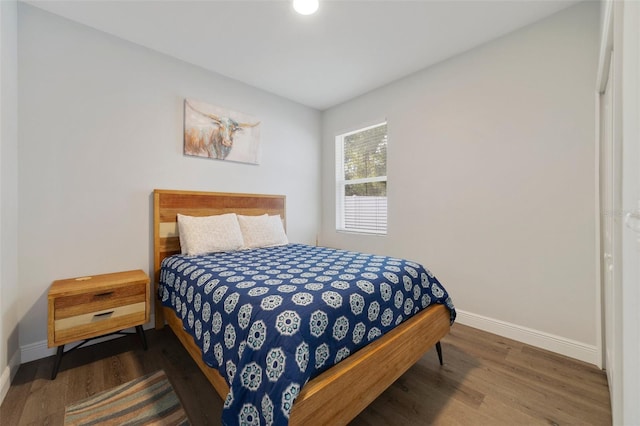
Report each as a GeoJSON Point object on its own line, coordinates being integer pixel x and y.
{"type": "Point", "coordinates": [343, 391]}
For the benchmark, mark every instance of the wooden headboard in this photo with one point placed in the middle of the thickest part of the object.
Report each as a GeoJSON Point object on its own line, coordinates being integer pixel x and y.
{"type": "Point", "coordinates": [168, 203]}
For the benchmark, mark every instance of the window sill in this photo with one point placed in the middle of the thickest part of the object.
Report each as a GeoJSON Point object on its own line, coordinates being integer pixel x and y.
{"type": "Point", "coordinates": [366, 233]}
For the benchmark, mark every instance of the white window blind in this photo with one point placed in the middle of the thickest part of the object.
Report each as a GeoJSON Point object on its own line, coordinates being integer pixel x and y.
{"type": "Point", "coordinates": [361, 180]}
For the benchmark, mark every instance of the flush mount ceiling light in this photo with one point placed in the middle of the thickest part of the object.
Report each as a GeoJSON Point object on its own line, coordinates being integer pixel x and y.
{"type": "Point", "coordinates": [305, 7]}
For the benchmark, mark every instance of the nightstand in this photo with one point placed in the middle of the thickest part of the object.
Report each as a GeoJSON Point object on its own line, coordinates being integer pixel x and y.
{"type": "Point", "coordinates": [85, 308]}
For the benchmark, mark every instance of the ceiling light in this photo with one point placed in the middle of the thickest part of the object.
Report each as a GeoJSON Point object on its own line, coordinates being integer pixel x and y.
{"type": "Point", "coordinates": [305, 7]}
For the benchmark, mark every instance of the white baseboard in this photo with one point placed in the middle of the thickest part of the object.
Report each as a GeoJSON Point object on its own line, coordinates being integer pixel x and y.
{"type": "Point", "coordinates": [38, 350]}
{"type": "Point", "coordinates": [8, 374]}
{"type": "Point", "coordinates": [550, 342]}
{"type": "Point", "coordinates": [557, 344]}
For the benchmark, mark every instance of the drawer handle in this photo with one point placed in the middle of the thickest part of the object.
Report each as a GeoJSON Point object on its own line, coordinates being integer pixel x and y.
{"type": "Point", "coordinates": [104, 314]}
{"type": "Point", "coordinates": [105, 294]}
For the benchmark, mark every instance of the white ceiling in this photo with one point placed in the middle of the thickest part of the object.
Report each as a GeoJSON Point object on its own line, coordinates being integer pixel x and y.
{"type": "Point", "coordinates": [346, 49]}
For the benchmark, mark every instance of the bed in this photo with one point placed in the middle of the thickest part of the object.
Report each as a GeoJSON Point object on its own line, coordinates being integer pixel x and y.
{"type": "Point", "coordinates": [340, 392]}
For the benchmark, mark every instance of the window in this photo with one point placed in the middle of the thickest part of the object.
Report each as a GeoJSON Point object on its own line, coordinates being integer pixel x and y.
{"type": "Point", "coordinates": [361, 180]}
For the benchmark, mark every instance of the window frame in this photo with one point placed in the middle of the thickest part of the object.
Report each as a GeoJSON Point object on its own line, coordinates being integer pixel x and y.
{"type": "Point", "coordinates": [341, 183]}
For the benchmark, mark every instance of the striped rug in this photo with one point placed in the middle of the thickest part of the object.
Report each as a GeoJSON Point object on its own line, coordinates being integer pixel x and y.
{"type": "Point", "coordinates": [148, 400]}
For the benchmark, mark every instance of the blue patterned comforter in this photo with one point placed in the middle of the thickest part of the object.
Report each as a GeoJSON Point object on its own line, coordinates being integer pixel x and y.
{"type": "Point", "coordinates": [270, 319]}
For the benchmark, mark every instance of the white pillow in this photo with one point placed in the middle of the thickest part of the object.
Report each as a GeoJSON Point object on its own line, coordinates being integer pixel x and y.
{"type": "Point", "coordinates": [208, 234]}
{"type": "Point", "coordinates": [262, 231]}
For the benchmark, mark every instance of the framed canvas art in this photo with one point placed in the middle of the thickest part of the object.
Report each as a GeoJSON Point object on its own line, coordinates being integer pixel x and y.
{"type": "Point", "coordinates": [216, 132]}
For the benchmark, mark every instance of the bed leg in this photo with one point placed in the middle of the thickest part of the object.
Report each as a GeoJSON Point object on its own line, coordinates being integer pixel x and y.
{"type": "Point", "coordinates": [439, 350]}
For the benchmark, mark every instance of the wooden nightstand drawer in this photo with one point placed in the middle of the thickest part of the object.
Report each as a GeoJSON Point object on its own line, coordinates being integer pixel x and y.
{"type": "Point", "coordinates": [98, 300]}
{"type": "Point", "coordinates": [99, 322]}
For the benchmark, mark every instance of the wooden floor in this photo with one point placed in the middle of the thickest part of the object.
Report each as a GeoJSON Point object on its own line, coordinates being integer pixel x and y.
{"type": "Point", "coordinates": [486, 380]}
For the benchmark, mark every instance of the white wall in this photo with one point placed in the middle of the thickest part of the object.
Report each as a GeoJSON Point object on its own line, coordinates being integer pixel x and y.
{"type": "Point", "coordinates": [491, 179]}
{"type": "Point", "coordinates": [101, 127]}
{"type": "Point", "coordinates": [9, 353]}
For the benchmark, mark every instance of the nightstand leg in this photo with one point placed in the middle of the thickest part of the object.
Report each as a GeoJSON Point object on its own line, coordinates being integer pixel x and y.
{"type": "Point", "coordinates": [56, 364]}
{"type": "Point", "coordinates": [140, 332]}
{"type": "Point", "coordinates": [439, 350]}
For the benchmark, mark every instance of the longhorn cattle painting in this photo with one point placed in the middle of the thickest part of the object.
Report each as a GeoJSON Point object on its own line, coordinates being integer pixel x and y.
{"type": "Point", "coordinates": [215, 132]}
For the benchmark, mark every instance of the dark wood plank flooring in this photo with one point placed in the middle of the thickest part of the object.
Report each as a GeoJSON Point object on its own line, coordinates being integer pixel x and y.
{"type": "Point", "coordinates": [486, 380]}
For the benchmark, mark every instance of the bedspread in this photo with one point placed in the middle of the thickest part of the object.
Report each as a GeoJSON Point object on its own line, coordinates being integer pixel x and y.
{"type": "Point", "coordinates": [271, 319]}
